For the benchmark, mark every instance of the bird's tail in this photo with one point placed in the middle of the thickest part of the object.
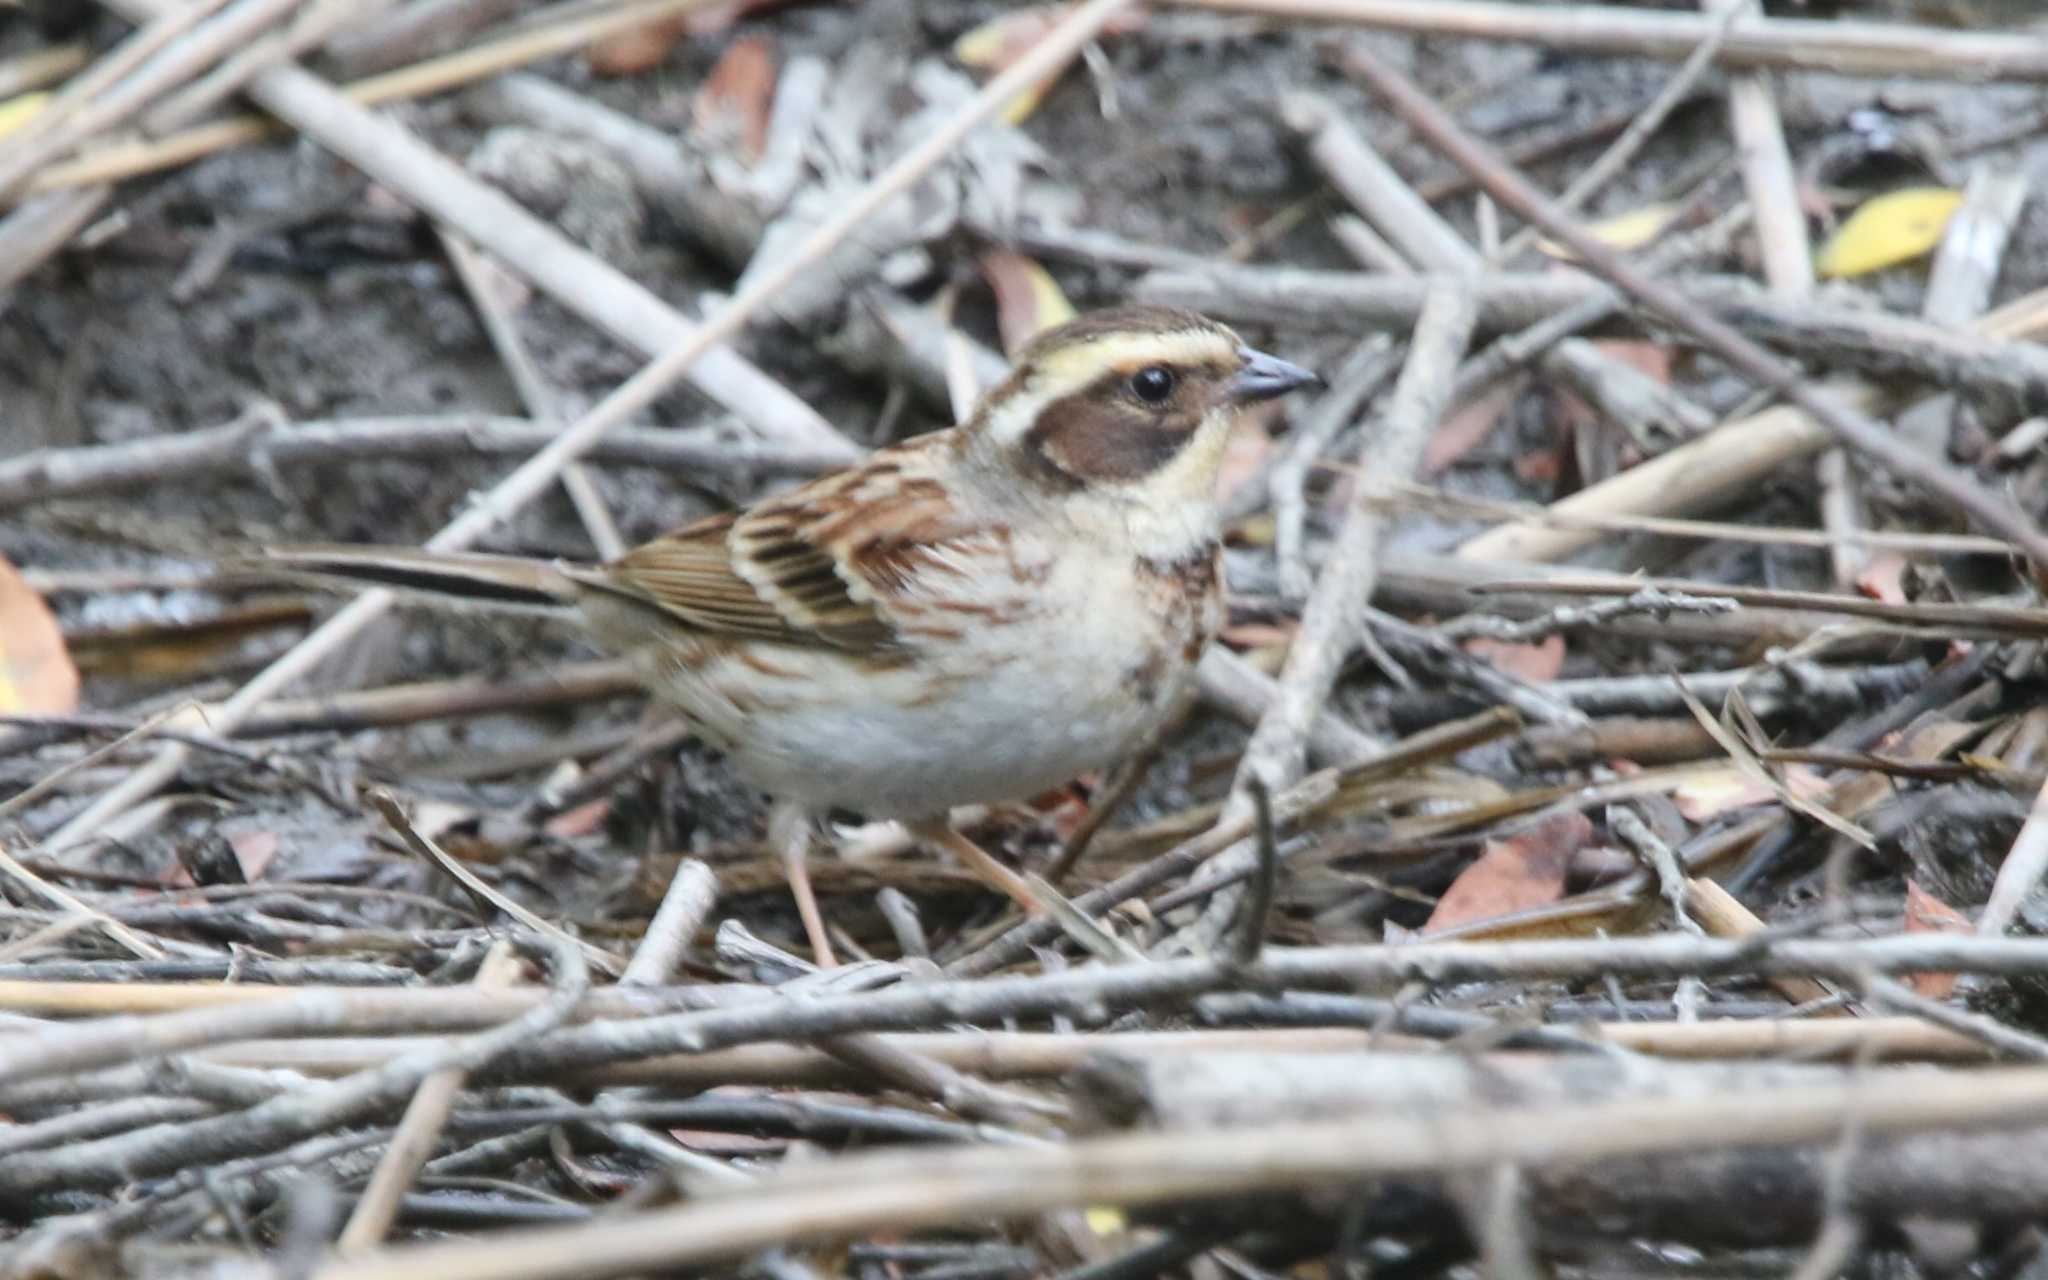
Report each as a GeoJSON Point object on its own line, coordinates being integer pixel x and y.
{"type": "Point", "coordinates": [497, 583]}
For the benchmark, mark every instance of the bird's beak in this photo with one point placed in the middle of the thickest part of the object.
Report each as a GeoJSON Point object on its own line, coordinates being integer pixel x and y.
{"type": "Point", "coordinates": [1264, 377]}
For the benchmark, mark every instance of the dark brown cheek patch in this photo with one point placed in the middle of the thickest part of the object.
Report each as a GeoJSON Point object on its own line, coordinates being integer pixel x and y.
{"type": "Point", "coordinates": [1092, 441]}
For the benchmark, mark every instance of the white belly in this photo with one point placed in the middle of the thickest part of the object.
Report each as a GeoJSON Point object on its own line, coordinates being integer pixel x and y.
{"type": "Point", "coordinates": [1006, 711]}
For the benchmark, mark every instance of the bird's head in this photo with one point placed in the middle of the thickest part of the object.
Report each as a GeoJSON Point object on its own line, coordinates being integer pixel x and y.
{"type": "Point", "coordinates": [1132, 405]}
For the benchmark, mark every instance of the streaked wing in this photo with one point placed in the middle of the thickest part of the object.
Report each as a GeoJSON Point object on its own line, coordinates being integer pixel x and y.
{"type": "Point", "coordinates": [814, 566]}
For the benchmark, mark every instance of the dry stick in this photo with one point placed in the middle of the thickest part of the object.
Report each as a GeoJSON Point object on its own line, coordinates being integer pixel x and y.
{"type": "Point", "coordinates": [377, 1208]}
{"type": "Point", "coordinates": [112, 67]}
{"type": "Point", "coordinates": [579, 280]}
{"type": "Point", "coordinates": [37, 228]}
{"type": "Point", "coordinates": [417, 841]}
{"type": "Point", "coordinates": [2025, 863]}
{"type": "Point", "coordinates": [1620, 391]}
{"type": "Point", "coordinates": [300, 1113]}
{"type": "Point", "coordinates": [534, 392]}
{"type": "Point", "coordinates": [838, 1198]}
{"type": "Point", "coordinates": [1788, 266]}
{"type": "Point", "coordinates": [244, 447]}
{"type": "Point", "coordinates": [1359, 378]}
{"type": "Point", "coordinates": [128, 160]}
{"type": "Point", "coordinates": [1330, 623]}
{"type": "Point", "coordinates": [639, 1024]}
{"type": "Point", "coordinates": [1021, 1055]}
{"type": "Point", "coordinates": [179, 61]}
{"type": "Point", "coordinates": [1290, 806]}
{"type": "Point", "coordinates": [422, 26]}
{"type": "Point", "coordinates": [641, 390]}
{"type": "Point", "coordinates": [309, 30]}
{"type": "Point", "coordinates": [691, 894]}
{"type": "Point", "coordinates": [1641, 129]}
{"type": "Point", "coordinates": [39, 67]}
{"type": "Point", "coordinates": [1836, 47]}
{"type": "Point", "coordinates": [1234, 686]}
{"type": "Point", "coordinates": [1747, 358]}
{"type": "Point", "coordinates": [1465, 506]}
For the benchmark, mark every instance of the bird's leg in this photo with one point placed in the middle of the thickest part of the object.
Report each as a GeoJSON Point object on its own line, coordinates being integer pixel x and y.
{"type": "Point", "coordinates": [789, 830]}
{"type": "Point", "coordinates": [939, 832]}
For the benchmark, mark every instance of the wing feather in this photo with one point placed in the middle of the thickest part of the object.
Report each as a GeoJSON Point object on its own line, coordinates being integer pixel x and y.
{"type": "Point", "coordinates": [816, 566]}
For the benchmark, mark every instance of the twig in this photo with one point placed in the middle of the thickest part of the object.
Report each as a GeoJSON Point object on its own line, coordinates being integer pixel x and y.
{"type": "Point", "coordinates": [1641, 128]}
{"type": "Point", "coordinates": [246, 446]}
{"type": "Point", "coordinates": [38, 67]}
{"type": "Point", "coordinates": [1228, 829]}
{"type": "Point", "coordinates": [692, 893]}
{"type": "Point", "coordinates": [1467, 506]}
{"type": "Point", "coordinates": [1363, 372]}
{"type": "Point", "coordinates": [1650, 600]}
{"type": "Point", "coordinates": [1258, 907]}
{"type": "Point", "coordinates": [541, 402]}
{"type": "Point", "coordinates": [292, 1116]}
{"type": "Point", "coordinates": [387, 804]}
{"type": "Point", "coordinates": [1829, 45]}
{"type": "Point", "coordinates": [836, 1198]}
{"type": "Point", "coordinates": [116, 85]}
{"type": "Point", "coordinates": [377, 1209]}
{"type": "Point", "coordinates": [1853, 429]}
{"type": "Point", "coordinates": [340, 120]}
{"type": "Point", "coordinates": [1242, 691]}
{"type": "Point", "coordinates": [2025, 864]}
{"type": "Point", "coordinates": [1278, 748]}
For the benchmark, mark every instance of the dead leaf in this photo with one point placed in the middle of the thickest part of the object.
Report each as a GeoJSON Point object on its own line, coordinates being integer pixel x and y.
{"type": "Point", "coordinates": [37, 676]}
{"type": "Point", "coordinates": [579, 821]}
{"type": "Point", "coordinates": [17, 111]}
{"type": "Point", "coordinates": [1462, 429]}
{"type": "Point", "coordinates": [1926, 913]}
{"type": "Point", "coordinates": [1718, 792]}
{"type": "Point", "coordinates": [640, 50]}
{"type": "Point", "coordinates": [643, 48]}
{"type": "Point", "coordinates": [1896, 227]}
{"type": "Point", "coordinates": [254, 850]}
{"type": "Point", "coordinates": [1535, 663]}
{"type": "Point", "coordinates": [1539, 466]}
{"type": "Point", "coordinates": [1523, 871]}
{"type": "Point", "coordinates": [1028, 299]}
{"type": "Point", "coordinates": [1652, 358]}
{"type": "Point", "coordinates": [1884, 578]}
{"type": "Point", "coordinates": [1258, 635]}
{"type": "Point", "coordinates": [995, 44]}
{"type": "Point", "coordinates": [733, 103]}
{"type": "Point", "coordinates": [1624, 232]}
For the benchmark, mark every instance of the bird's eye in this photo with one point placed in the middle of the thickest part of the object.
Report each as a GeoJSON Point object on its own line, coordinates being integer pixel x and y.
{"type": "Point", "coordinates": [1152, 384]}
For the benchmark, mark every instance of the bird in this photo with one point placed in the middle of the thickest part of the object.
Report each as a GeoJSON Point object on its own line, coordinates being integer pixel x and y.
{"type": "Point", "coordinates": [973, 615]}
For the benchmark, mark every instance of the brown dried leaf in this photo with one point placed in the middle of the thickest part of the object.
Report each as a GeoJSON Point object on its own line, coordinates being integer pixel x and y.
{"type": "Point", "coordinates": [1535, 663]}
{"type": "Point", "coordinates": [734, 101]}
{"type": "Point", "coordinates": [1028, 299]}
{"type": "Point", "coordinates": [1523, 871]}
{"type": "Point", "coordinates": [254, 851]}
{"type": "Point", "coordinates": [1884, 578]}
{"type": "Point", "coordinates": [37, 676]}
{"type": "Point", "coordinates": [640, 50]}
{"type": "Point", "coordinates": [995, 44]}
{"type": "Point", "coordinates": [1926, 913]}
{"type": "Point", "coordinates": [1461, 430]}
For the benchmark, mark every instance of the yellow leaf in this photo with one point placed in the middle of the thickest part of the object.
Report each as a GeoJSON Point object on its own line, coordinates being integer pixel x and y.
{"type": "Point", "coordinates": [1003, 39]}
{"type": "Point", "coordinates": [1893, 228]}
{"type": "Point", "coordinates": [1624, 232]}
{"type": "Point", "coordinates": [15, 112]}
{"type": "Point", "coordinates": [1106, 1220]}
{"type": "Point", "coordinates": [1028, 299]}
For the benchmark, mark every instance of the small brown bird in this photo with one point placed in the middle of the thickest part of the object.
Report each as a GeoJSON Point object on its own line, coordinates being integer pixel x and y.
{"type": "Point", "coordinates": [974, 615]}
